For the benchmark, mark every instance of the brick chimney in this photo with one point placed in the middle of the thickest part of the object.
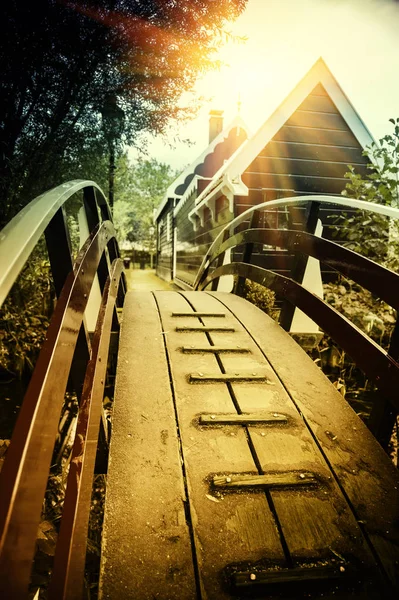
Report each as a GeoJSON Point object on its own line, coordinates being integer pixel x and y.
{"type": "Point", "coordinates": [215, 123]}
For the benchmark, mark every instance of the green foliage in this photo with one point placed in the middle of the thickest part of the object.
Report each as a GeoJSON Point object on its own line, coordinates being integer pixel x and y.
{"type": "Point", "coordinates": [365, 233]}
{"type": "Point", "coordinates": [381, 184]}
{"type": "Point", "coordinates": [139, 191]}
{"type": "Point", "coordinates": [62, 61]}
{"type": "Point", "coordinates": [24, 317]}
{"type": "Point", "coordinates": [260, 296]}
{"type": "Point", "coordinates": [373, 235]}
{"type": "Point", "coordinates": [375, 318]}
{"type": "Point", "coordinates": [370, 314]}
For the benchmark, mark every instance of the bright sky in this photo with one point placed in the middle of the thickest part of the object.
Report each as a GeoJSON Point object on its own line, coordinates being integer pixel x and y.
{"type": "Point", "coordinates": [358, 39]}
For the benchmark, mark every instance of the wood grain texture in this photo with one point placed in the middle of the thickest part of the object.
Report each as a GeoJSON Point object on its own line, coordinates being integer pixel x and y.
{"type": "Point", "coordinates": [232, 528]}
{"type": "Point", "coordinates": [146, 542]}
{"type": "Point", "coordinates": [313, 151]}
{"type": "Point", "coordinates": [236, 496]}
{"type": "Point", "coordinates": [315, 523]}
{"type": "Point", "coordinates": [365, 474]}
{"type": "Point", "coordinates": [315, 168]}
{"type": "Point", "coordinates": [316, 136]}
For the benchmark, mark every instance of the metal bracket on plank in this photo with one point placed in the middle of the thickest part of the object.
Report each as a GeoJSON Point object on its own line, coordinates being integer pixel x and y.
{"type": "Point", "coordinates": [227, 377]}
{"type": "Point", "coordinates": [255, 577]}
{"type": "Point", "coordinates": [269, 480]}
{"type": "Point", "coordinates": [197, 314]}
{"type": "Point", "coordinates": [186, 328]}
{"type": "Point", "coordinates": [243, 419]}
{"type": "Point", "coordinates": [213, 349]}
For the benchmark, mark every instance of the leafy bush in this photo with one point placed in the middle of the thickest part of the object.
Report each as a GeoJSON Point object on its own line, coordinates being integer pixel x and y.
{"type": "Point", "coordinates": [373, 235]}
{"type": "Point", "coordinates": [24, 317]}
{"type": "Point", "coordinates": [373, 316]}
{"type": "Point", "coordinates": [260, 296]}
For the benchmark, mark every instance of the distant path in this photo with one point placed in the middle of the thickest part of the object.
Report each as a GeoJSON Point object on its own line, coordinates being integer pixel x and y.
{"type": "Point", "coordinates": [145, 280]}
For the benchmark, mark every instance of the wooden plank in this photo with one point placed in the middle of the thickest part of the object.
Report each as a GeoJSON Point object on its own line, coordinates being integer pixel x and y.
{"type": "Point", "coordinates": [316, 523]}
{"type": "Point", "coordinates": [365, 474]}
{"type": "Point", "coordinates": [330, 185]}
{"type": "Point", "coordinates": [228, 529]}
{"type": "Point", "coordinates": [297, 150]}
{"type": "Point", "coordinates": [317, 120]}
{"type": "Point", "coordinates": [146, 540]}
{"type": "Point", "coordinates": [315, 168]}
{"type": "Point", "coordinates": [318, 104]}
{"type": "Point", "coordinates": [309, 135]}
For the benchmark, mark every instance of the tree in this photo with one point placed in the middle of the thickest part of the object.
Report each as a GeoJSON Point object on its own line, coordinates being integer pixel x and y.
{"type": "Point", "coordinates": [140, 188]}
{"type": "Point", "coordinates": [381, 183]}
{"type": "Point", "coordinates": [376, 236]}
{"type": "Point", "coordinates": [61, 60]}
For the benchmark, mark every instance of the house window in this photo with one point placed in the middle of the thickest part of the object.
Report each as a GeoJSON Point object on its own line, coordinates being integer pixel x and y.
{"type": "Point", "coordinates": [168, 227]}
{"type": "Point", "coordinates": [160, 230]}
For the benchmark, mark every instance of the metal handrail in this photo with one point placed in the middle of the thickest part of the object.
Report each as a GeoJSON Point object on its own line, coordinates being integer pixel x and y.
{"type": "Point", "coordinates": [69, 560]}
{"type": "Point", "coordinates": [287, 202]}
{"type": "Point", "coordinates": [367, 354]}
{"type": "Point", "coordinates": [377, 279]}
{"type": "Point", "coordinates": [25, 471]}
{"type": "Point", "coordinates": [20, 236]}
{"type": "Point", "coordinates": [377, 363]}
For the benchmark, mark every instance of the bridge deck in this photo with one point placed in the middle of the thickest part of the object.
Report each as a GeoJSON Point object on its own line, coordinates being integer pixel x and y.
{"type": "Point", "coordinates": [236, 468]}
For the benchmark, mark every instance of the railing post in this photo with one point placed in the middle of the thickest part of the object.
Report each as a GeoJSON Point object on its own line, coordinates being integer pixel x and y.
{"type": "Point", "coordinates": [383, 415]}
{"type": "Point", "coordinates": [247, 255]}
{"type": "Point", "coordinates": [59, 249]}
{"type": "Point", "coordinates": [299, 266]}
{"type": "Point", "coordinates": [103, 271]}
{"type": "Point", "coordinates": [219, 261]}
{"type": "Point", "coordinates": [91, 208]}
{"type": "Point", "coordinates": [90, 204]}
{"type": "Point", "coordinates": [60, 256]}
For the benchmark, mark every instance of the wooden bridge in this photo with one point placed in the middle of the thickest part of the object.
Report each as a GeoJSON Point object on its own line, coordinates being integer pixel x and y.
{"type": "Point", "coordinates": [235, 467]}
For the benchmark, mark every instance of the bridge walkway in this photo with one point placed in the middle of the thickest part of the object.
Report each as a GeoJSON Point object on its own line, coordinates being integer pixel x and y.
{"type": "Point", "coordinates": [236, 469]}
{"type": "Point", "coordinates": [146, 280]}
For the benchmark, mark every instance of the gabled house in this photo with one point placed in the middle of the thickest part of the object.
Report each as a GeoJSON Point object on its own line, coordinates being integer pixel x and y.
{"type": "Point", "coordinates": [195, 178]}
{"type": "Point", "coordinates": [303, 148]}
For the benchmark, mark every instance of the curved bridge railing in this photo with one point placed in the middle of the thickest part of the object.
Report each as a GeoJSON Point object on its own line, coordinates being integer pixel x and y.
{"type": "Point", "coordinates": [67, 354]}
{"type": "Point", "coordinates": [379, 365]}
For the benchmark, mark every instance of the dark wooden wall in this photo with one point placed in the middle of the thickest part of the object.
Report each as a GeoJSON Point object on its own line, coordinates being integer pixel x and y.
{"type": "Point", "coordinates": [192, 245]}
{"type": "Point", "coordinates": [308, 155]}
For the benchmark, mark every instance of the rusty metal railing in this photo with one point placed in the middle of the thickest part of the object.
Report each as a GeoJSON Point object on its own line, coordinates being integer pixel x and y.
{"type": "Point", "coordinates": [67, 353]}
{"type": "Point", "coordinates": [379, 365]}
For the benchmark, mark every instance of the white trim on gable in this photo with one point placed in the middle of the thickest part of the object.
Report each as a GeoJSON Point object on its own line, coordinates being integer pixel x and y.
{"type": "Point", "coordinates": [319, 73]}
{"type": "Point", "coordinates": [230, 173]}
